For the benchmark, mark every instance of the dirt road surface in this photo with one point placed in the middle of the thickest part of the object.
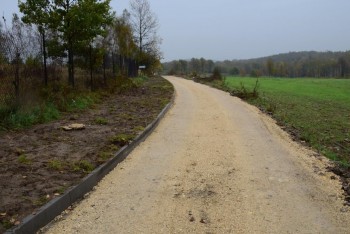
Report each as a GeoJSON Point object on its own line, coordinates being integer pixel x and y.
{"type": "Point", "coordinates": [214, 165]}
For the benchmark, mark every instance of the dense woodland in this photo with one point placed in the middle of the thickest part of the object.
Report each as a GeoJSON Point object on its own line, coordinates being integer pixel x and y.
{"type": "Point", "coordinates": [79, 43]}
{"type": "Point", "coordinates": [293, 64]}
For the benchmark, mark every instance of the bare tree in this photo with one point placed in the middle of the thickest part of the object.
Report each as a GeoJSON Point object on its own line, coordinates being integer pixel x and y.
{"type": "Point", "coordinates": [145, 25]}
{"type": "Point", "coordinates": [2, 44]}
{"type": "Point", "coordinates": [17, 45]}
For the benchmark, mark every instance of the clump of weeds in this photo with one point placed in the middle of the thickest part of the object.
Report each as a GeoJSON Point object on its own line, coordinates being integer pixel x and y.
{"type": "Point", "coordinates": [101, 121]}
{"type": "Point", "coordinates": [55, 164]}
{"type": "Point", "coordinates": [121, 139]}
{"type": "Point", "coordinates": [41, 201]}
{"type": "Point", "coordinates": [245, 94]}
{"type": "Point", "coordinates": [23, 159]}
{"type": "Point", "coordinates": [104, 156]}
{"type": "Point", "coordinates": [139, 128]}
{"type": "Point", "coordinates": [83, 166]}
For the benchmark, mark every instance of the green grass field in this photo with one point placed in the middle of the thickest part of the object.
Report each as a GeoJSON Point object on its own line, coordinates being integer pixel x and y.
{"type": "Point", "coordinates": [317, 110]}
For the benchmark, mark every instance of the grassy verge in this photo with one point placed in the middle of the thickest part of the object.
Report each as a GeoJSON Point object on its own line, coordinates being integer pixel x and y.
{"type": "Point", "coordinates": [18, 117]}
{"type": "Point", "coordinates": [316, 111]}
{"type": "Point", "coordinates": [56, 100]}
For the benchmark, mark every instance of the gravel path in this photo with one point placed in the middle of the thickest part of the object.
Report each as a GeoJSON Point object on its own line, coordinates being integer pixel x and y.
{"type": "Point", "coordinates": [213, 165]}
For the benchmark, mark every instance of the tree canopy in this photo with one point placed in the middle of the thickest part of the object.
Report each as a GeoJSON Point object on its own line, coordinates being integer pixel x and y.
{"type": "Point", "coordinates": [78, 30]}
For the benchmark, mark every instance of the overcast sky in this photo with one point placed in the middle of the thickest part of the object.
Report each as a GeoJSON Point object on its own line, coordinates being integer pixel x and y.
{"type": "Point", "coordinates": [240, 29]}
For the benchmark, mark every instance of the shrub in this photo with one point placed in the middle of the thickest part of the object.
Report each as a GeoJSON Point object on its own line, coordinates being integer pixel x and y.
{"type": "Point", "coordinates": [244, 93]}
{"type": "Point", "coordinates": [216, 74]}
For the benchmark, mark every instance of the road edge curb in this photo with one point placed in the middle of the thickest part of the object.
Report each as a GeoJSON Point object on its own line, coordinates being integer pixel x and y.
{"type": "Point", "coordinates": [33, 222]}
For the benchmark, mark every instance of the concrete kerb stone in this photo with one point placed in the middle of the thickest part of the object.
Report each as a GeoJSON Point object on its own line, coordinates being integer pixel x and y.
{"type": "Point", "coordinates": [32, 223]}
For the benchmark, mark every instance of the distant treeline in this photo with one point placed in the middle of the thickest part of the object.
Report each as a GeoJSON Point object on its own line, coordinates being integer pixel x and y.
{"type": "Point", "coordinates": [293, 64]}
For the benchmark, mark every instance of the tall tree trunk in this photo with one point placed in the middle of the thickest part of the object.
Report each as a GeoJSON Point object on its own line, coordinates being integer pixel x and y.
{"type": "Point", "coordinates": [45, 58]}
{"type": "Point", "coordinates": [70, 66]}
{"type": "Point", "coordinates": [70, 53]}
{"type": "Point", "coordinates": [91, 80]}
{"type": "Point", "coordinates": [121, 65]}
{"type": "Point", "coordinates": [126, 66]}
{"type": "Point", "coordinates": [113, 64]}
{"type": "Point", "coordinates": [140, 35]}
{"type": "Point", "coordinates": [71, 79]}
{"type": "Point", "coordinates": [104, 70]}
{"type": "Point", "coordinates": [16, 81]}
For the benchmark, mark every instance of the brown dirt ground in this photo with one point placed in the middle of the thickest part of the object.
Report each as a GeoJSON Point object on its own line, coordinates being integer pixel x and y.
{"type": "Point", "coordinates": [40, 163]}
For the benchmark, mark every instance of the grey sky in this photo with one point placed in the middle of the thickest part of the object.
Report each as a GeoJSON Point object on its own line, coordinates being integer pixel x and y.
{"type": "Point", "coordinates": [239, 29]}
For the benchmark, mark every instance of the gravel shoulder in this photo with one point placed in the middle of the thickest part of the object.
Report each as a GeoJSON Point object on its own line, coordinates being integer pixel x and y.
{"type": "Point", "coordinates": [213, 165]}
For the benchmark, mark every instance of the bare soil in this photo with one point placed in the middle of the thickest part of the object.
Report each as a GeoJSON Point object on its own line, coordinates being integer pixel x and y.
{"type": "Point", "coordinates": [40, 163]}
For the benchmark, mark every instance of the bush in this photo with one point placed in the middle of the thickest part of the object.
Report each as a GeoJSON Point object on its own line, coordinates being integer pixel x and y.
{"type": "Point", "coordinates": [244, 93]}
{"type": "Point", "coordinates": [216, 74]}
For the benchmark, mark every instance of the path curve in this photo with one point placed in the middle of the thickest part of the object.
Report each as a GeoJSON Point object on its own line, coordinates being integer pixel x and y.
{"type": "Point", "coordinates": [213, 165]}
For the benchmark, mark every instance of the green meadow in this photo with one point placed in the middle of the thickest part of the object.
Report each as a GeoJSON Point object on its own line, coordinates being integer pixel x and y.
{"type": "Point", "coordinates": [316, 111]}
